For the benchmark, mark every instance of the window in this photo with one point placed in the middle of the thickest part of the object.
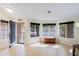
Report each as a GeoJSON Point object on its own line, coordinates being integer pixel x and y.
{"type": "Point", "coordinates": [67, 29]}
{"type": "Point", "coordinates": [34, 29]}
{"type": "Point", "coordinates": [4, 29]}
{"type": "Point", "coordinates": [49, 30]}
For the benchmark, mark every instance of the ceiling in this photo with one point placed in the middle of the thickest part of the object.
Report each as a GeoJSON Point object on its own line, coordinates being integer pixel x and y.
{"type": "Point", "coordinates": [40, 10]}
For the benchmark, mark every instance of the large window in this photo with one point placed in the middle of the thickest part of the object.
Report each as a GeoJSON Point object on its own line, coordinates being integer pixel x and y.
{"type": "Point", "coordinates": [34, 29]}
{"type": "Point", "coordinates": [49, 30]}
{"type": "Point", "coordinates": [4, 29]}
{"type": "Point", "coordinates": [67, 29]}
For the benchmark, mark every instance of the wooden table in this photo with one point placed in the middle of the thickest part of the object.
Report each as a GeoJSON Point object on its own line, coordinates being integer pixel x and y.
{"type": "Point", "coordinates": [74, 48]}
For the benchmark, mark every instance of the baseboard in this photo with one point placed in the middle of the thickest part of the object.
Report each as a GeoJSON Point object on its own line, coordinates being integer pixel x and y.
{"type": "Point", "coordinates": [31, 43]}
{"type": "Point", "coordinates": [70, 45]}
{"type": "Point", "coordinates": [12, 44]}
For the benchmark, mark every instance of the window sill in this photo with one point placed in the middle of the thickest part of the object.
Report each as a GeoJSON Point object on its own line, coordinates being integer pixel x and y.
{"type": "Point", "coordinates": [66, 38]}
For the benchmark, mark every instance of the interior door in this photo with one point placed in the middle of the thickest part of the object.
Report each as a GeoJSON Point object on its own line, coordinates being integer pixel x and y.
{"type": "Point", "coordinates": [12, 31]}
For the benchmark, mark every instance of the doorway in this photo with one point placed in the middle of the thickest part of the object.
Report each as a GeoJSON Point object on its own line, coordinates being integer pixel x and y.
{"type": "Point", "coordinates": [12, 35]}
{"type": "Point", "coordinates": [20, 32]}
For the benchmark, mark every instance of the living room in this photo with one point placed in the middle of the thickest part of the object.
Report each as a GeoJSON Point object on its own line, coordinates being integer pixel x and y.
{"type": "Point", "coordinates": [38, 28]}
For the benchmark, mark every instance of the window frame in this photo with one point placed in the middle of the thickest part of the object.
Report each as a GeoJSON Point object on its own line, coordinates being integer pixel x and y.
{"type": "Point", "coordinates": [66, 24]}
{"type": "Point", "coordinates": [49, 24]}
{"type": "Point", "coordinates": [34, 27]}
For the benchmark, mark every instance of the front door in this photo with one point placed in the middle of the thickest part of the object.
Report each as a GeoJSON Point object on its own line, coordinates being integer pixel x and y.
{"type": "Point", "coordinates": [12, 31]}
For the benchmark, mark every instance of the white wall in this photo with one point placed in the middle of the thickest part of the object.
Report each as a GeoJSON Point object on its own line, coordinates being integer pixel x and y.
{"type": "Point", "coordinates": [70, 41]}
{"type": "Point", "coordinates": [67, 41]}
{"type": "Point", "coordinates": [5, 42]}
{"type": "Point", "coordinates": [29, 39]}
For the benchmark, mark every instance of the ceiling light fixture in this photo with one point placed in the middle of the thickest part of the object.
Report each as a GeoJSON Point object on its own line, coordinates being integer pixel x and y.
{"type": "Point", "coordinates": [9, 10]}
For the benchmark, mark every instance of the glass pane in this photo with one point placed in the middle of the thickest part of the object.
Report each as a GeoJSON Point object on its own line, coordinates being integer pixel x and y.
{"type": "Point", "coordinates": [67, 30]}
{"type": "Point", "coordinates": [49, 30]}
{"type": "Point", "coordinates": [34, 30]}
{"type": "Point", "coordinates": [4, 30]}
{"type": "Point", "coordinates": [70, 31]}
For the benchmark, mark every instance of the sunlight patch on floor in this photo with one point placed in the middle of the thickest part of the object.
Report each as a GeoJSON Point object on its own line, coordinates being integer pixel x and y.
{"type": "Point", "coordinates": [39, 45]}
